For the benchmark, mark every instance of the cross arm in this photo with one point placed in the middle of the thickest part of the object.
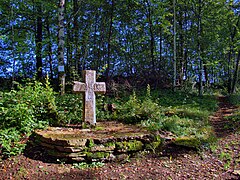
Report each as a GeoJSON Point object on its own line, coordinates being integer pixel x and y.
{"type": "Point", "coordinates": [79, 87]}
{"type": "Point", "coordinates": [100, 87]}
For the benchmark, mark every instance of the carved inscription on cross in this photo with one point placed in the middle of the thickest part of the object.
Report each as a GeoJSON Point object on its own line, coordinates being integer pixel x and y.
{"type": "Point", "coordinates": [89, 88]}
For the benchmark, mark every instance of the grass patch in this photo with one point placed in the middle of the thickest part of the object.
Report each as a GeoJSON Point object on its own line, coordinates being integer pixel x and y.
{"type": "Point", "coordinates": [84, 165]}
{"type": "Point", "coordinates": [235, 99]}
{"type": "Point", "coordinates": [235, 117]}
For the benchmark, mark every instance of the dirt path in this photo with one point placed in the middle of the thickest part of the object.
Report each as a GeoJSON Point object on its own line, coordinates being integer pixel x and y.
{"type": "Point", "coordinates": [222, 126]}
{"type": "Point", "coordinates": [220, 162]}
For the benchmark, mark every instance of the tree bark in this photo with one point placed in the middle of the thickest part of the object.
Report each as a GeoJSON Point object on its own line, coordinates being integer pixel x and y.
{"type": "Point", "coordinates": [61, 73]}
{"type": "Point", "coordinates": [174, 47]}
{"type": "Point", "coordinates": [13, 48]}
{"type": "Point", "coordinates": [109, 42]}
{"type": "Point", "coordinates": [230, 75]}
{"type": "Point", "coordinates": [181, 49]}
{"type": "Point", "coordinates": [199, 50]}
{"type": "Point", "coordinates": [160, 48]}
{"type": "Point", "coordinates": [38, 40]}
{"type": "Point", "coordinates": [49, 48]}
{"type": "Point", "coordinates": [236, 72]}
{"type": "Point", "coordinates": [76, 62]}
{"type": "Point", "coordinates": [152, 39]}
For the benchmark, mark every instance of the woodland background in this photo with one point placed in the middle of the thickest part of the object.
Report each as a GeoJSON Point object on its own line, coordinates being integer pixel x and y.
{"type": "Point", "coordinates": [164, 43]}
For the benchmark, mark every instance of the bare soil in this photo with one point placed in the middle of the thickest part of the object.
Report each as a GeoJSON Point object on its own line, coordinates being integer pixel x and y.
{"type": "Point", "coordinates": [221, 161]}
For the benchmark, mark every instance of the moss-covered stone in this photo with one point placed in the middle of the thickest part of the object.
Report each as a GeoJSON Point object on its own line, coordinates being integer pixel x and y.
{"type": "Point", "coordinates": [127, 146]}
{"type": "Point", "coordinates": [188, 142]}
{"type": "Point", "coordinates": [98, 128]}
{"type": "Point", "coordinates": [153, 145]}
{"type": "Point", "coordinates": [69, 149]}
{"type": "Point", "coordinates": [110, 144]}
{"type": "Point", "coordinates": [114, 142]}
{"type": "Point", "coordinates": [63, 142]}
{"type": "Point", "coordinates": [157, 138]}
{"type": "Point", "coordinates": [90, 143]}
{"type": "Point", "coordinates": [66, 155]}
{"type": "Point", "coordinates": [103, 147]}
{"type": "Point", "coordinates": [97, 155]}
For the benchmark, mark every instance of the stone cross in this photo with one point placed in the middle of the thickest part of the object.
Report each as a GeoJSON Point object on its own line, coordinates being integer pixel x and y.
{"type": "Point", "coordinates": [89, 88]}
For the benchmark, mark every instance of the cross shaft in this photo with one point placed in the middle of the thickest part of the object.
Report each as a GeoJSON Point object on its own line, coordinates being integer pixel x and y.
{"type": "Point", "coordinates": [89, 88]}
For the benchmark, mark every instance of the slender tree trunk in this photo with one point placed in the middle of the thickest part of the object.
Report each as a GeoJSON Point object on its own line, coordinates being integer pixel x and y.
{"type": "Point", "coordinates": [95, 60]}
{"type": "Point", "coordinates": [152, 39]}
{"type": "Point", "coordinates": [236, 72]}
{"type": "Point", "coordinates": [109, 41]}
{"type": "Point", "coordinates": [160, 49]}
{"type": "Point", "coordinates": [49, 48]}
{"type": "Point", "coordinates": [205, 69]}
{"type": "Point", "coordinates": [61, 70]}
{"type": "Point", "coordinates": [181, 50]}
{"type": "Point", "coordinates": [229, 69]}
{"type": "Point", "coordinates": [133, 50]}
{"type": "Point", "coordinates": [186, 48]}
{"type": "Point", "coordinates": [39, 64]}
{"type": "Point", "coordinates": [77, 46]}
{"type": "Point", "coordinates": [174, 47]}
{"type": "Point", "coordinates": [199, 50]}
{"type": "Point", "coordinates": [13, 49]}
{"type": "Point", "coordinates": [230, 75]}
{"type": "Point", "coordinates": [70, 64]}
{"type": "Point", "coordinates": [85, 39]}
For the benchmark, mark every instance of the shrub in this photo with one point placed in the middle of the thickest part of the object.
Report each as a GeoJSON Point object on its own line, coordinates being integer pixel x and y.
{"type": "Point", "coordinates": [131, 110]}
{"type": "Point", "coordinates": [235, 99]}
{"type": "Point", "coordinates": [10, 142]}
{"type": "Point", "coordinates": [136, 110]}
{"type": "Point", "coordinates": [70, 107]}
{"type": "Point", "coordinates": [21, 111]}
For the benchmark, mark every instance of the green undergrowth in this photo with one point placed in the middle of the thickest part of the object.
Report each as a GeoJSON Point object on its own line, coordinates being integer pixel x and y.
{"type": "Point", "coordinates": [184, 114]}
{"type": "Point", "coordinates": [226, 153]}
{"type": "Point", "coordinates": [235, 116]}
{"type": "Point", "coordinates": [235, 98]}
{"type": "Point", "coordinates": [70, 106]}
{"type": "Point", "coordinates": [36, 105]}
{"type": "Point", "coordinates": [84, 165]}
{"type": "Point", "coordinates": [21, 111]}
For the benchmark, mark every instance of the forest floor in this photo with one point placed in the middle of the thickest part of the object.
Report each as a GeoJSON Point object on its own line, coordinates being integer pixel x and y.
{"type": "Point", "coordinates": [220, 161]}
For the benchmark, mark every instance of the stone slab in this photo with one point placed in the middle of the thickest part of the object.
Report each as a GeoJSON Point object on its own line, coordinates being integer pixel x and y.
{"type": "Point", "coordinates": [112, 140]}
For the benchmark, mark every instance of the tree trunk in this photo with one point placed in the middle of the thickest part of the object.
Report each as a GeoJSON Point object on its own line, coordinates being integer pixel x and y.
{"type": "Point", "coordinates": [160, 48]}
{"type": "Point", "coordinates": [181, 49]}
{"type": "Point", "coordinates": [229, 69]}
{"type": "Point", "coordinates": [13, 48]}
{"type": "Point", "coordinates": [230, 75]}
{"type": "Point", "coordinates": [76, 61]}
{"type": "Point", "coordinates": [199, 51]}
{"type": "Point", "coordinates": [236, 72]}
{"type": "Point", "coordinates": [152, 40]}
{"type": "Point", "coordinates": [95, 60]}
{"type": "Point", "coordinates": [185, 49]}
{"type": "Point", "coordinates": [174, 47]}
{"type": "Point", "coordinates": [109, 43]}
{"type": "Point", "coordinates": [205, 69]}
{"type": "Point", "coordinates": [49, 48]}
{"type": "Point", "coordinates": [38, 40]}
{"type": "Point", "coordinates": [61, 71]}
{"type": "Point", "coordinates": [70, 64]}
